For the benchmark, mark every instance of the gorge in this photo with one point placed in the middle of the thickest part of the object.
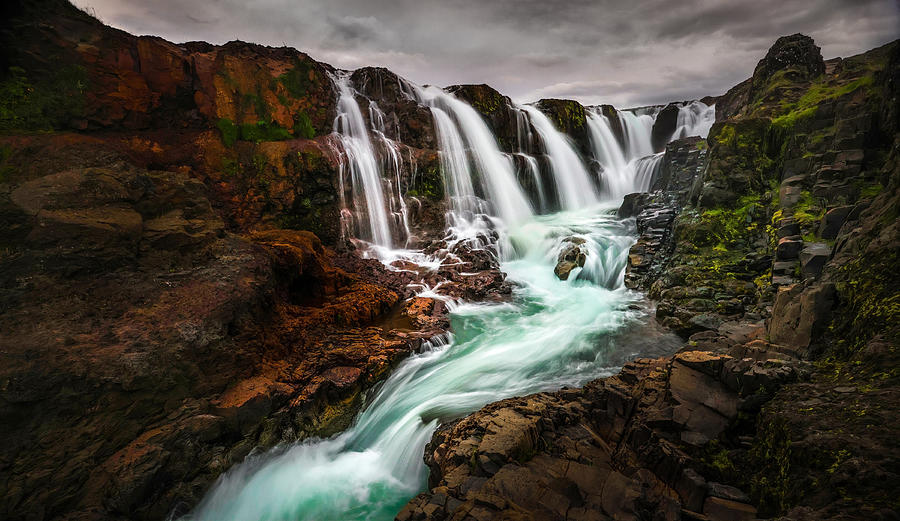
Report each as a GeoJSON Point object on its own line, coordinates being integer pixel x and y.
{"type": "Point", "coordinates": [241, 284]}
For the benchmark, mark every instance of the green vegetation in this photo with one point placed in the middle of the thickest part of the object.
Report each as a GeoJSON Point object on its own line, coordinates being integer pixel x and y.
{"type": "Point", "coordinates": [817, 94]}
{"type": "Point", "coordinates": [47, 103]}
{"type": "Point", "coordinates": [297, 80]}
{"type": "Point", "coordinates": [769, 487]}
{"type": "Point", "coordinates": [870, 293]}
{"type": "Point", "coordinates": [303, 126]}
{"type": "Point", "coordinates": [230, 132]}
{"type": "Point", "coordinates": [263, 131]}
{"type": "Point", "coordinates": [807, 211]}
{"type": "Point", "coordinates": [258, 132]}
{"type": "Point", "coordinates": [231, 167]}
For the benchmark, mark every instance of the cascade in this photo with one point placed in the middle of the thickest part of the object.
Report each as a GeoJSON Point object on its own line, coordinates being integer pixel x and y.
{"type": "Point", "coordinates": [694, 119]}
{"type": "Point", "coordinates": [365, 174]}
{"type": "Point", "coordinates": [637, 128]}
{"type": "Point", "coordinates": [472, 139]}
{"type": "Point", "coordinates": [646, 170]}
{"type": "Point", "coordinates": [572, 179]}
{"type": "Point", "coordinates": [534, 173]}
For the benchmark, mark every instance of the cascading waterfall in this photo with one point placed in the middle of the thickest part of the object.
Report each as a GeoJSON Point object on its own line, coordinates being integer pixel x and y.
{"type": "Point", "coordinates": [695, 118]}
{"type": "Point", "coordinates": [572, 180]}
{"type": "Point", "coordinates": [637, 129]}
{"type": "Point", "coordinates": [534, 173]}
{"type": "Point", "coordinates": [365, 173]}
{"type": "Point", "coordinates": [645, 171]}
{"type": "Point", "coordinates": [553, 333]}
{"type": "Point", "coordinates": [495, 170]}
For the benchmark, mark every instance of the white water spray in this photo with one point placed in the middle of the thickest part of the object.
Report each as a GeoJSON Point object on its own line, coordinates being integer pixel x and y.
{"type": "Point", "coordinates": [572, 180]}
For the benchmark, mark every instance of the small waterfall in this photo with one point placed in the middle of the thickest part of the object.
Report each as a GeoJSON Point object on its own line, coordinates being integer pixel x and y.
{"type": "Point", "coordinates": [694, 119]}
{"type": "Point", "coordinates": [534, 172]}
{"type": "Point", "coordinates": [471, 138]}
{"type": "Point", "coordinates": [572, 180]}
{"type": "Point", "coordinates": [464, 203]}
{"type": "Point", "coordinates": [638, 128]}
{"type": "Point", "coordinates": [368, 192]}
{"type": "Point", "coordinates": [646, 170]}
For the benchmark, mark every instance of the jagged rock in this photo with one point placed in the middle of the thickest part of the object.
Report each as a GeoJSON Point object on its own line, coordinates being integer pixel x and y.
{"type": "Point", "coordinates": [664, 126]}
{"type": "Point", "coordinates": [813, 258]}
{"type": "Point", "coordinates": [795, 56]}
{"type": "Point", "coordinates": [832, 222]}
{"type": "Point", "coordinates": [789, 247]}
{"type": "Point", "coordinates": [801, 314]}
{"type": "Point", "coordinates": [573, 255]}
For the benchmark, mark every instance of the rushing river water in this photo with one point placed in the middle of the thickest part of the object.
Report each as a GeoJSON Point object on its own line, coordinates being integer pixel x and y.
{"type": "Point", "coordinates": [551, 334]}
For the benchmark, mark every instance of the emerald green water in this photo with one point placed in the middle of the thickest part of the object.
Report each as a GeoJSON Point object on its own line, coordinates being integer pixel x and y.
{"type": "Point", "coordinates": [551, 334]}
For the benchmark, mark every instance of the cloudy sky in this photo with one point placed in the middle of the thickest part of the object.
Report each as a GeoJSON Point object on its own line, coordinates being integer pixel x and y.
{"type": "Point", "coordinates": [624, 52]}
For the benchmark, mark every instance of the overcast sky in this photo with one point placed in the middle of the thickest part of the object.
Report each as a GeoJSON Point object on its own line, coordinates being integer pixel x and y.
{"type": "Point", "coordinates": [623, 52]}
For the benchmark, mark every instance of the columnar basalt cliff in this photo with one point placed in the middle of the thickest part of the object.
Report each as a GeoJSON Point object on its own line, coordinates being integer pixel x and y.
{"type": "Point", "coordinates": [177, 288]}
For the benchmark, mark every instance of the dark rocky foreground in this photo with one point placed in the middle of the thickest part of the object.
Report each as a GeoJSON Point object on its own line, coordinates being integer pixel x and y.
{"type": "Point", "coordinates": [175, 290]}
{"type": "Point", "coordinates": [772, 249]}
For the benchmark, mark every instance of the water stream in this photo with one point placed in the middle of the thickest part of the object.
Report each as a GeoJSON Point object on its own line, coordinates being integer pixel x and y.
{"type": "Point", "coordinates": [552, 334]}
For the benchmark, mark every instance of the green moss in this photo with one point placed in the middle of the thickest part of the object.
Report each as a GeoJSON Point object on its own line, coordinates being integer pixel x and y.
{"type": "Point", "coordinates": [46, 103]}
{"type": "Point", "coordinates": [259, 105]}
{"type": "Point", "coordinates": [303, 126]}
{"type": "Point", "coordinates": [871, 191]}
{"type": "Point", "coordinates": [428, 183]}
{"type": "Point", "coordinates": [870, 296]}
{"type": "Point", "coordinates": [789, 120]}
{"type": "Point", "coordinates": [808, 211]}
{"type": "Point", "coordinates": [231, 167]}
{"type": "Point", "coordinates": [725, 135]}
{"type": "Point", "coordinates": [262, 131]}
{"type": "Point", "coordinates": [817, 94]}
{"type": "Point", "coordinates": [772, 454]}
{"type": "Point", "coordinates": [296, 80]}
{"type": "Point", "coordinates": [230, 132]}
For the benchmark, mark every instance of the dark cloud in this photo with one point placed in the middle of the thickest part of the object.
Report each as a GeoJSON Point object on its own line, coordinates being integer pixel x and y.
{"type": "Point", "coordinates": [625, 52]}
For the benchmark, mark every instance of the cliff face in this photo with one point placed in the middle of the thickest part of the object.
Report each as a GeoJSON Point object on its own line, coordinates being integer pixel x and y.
{"type": "Point", "coordinates": [769, 248]}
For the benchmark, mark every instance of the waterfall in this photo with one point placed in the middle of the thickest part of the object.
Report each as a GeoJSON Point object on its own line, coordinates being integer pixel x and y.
{"type": "Point", "coordinates": [646, 170]}
{"type": "Point", "coordinates": [694, 119]}
{"type": "Point", "coordinates": [368, 192]}
{"type": "Point", "coordinates": [637, 128]}
{"type": "Point", "coordinates": [464, 204]}
{"type": "Point", "coordinates": [572, 180]}
{"type": "Point", "coordinates": [471, 138]}
{"type": "Point", "coordinates": [534, 172]}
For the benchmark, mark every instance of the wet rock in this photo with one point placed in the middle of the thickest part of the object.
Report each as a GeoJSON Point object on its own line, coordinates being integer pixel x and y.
{"type": "Point", "coordinates": [573, 255]}
{"type": "Point", "coordinates": [664, 126]}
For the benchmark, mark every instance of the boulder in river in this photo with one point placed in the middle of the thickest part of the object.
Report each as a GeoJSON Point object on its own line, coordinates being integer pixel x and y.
{"type": "Point", "coordinates": [573, 255]}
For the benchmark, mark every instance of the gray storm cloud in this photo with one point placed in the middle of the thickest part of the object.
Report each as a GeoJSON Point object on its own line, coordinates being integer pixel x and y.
{"type": "Point", "coordinates": [624, 52]}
